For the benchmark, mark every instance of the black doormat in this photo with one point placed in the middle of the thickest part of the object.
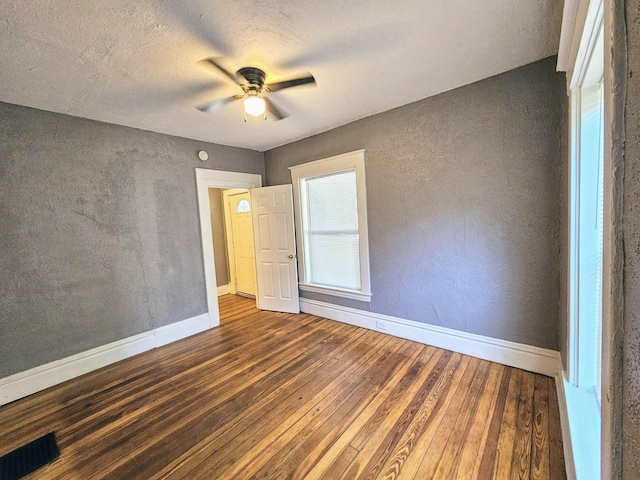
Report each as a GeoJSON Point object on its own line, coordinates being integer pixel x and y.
{"type": "Point", "coordinates": [28, 458]}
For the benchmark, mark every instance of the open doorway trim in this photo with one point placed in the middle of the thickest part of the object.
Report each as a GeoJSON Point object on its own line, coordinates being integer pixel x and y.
{"type": "Point", "coordinates": [206, 179]}
{"type": "Point", "coordinates": [231, 238]}
{"type": "Point", "coordinates": [231, 254]}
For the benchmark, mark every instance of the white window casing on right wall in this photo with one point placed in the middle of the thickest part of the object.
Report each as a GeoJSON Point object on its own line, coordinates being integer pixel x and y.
{"type": "Point", "coordinates": [330, 208]}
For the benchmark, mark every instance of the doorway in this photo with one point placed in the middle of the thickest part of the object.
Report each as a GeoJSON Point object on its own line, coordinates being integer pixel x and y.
{"type": "Point", "coordinates": [238, 226]}
{"type": "Point", "coordinates": [276, 280]}
{"type": "Point", "coordinates": [206, 179]}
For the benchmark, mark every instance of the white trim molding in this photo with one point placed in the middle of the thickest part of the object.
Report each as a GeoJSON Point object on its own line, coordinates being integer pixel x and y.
{"type": "Point", "coordinates": [569, 13]}
{"type": "Point", "coordinates": [574, 14]}
{"type": "Point", "coordinates": [581, 21]}
{"type": "Point", "coordinates": [228, 236]}
{"type": "Point", "coordinates": [206, 179]}
{"type": "Point", "coordinates": [582, 57]}
{"type": "Point", "coordinates": [42, 377]}
{"type": "Point", "coordinates": [567, 444]}
{"type": "Point", "coordinates": [300, 174]}
{"type": "Point", "coordinates": [179, 330]}
{"type": "Point", "coordinates": [223, 289]}
{"type": "Point", "coordinates": [526, 357]}
{"type": "Point", "coordinates": [588, 39]}
{"type": "Point", "coordinates": [336, 292]}
{"type": "Point", "coordinates": [581, 431]}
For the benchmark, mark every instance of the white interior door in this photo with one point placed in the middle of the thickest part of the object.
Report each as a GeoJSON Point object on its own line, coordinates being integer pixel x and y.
{"type": "Point", "coordinates": [275, 249]}
{"type": "Point", "coordinates": [241, 224]}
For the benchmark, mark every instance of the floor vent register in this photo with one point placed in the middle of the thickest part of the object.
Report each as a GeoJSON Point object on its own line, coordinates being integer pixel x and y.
{"type": "Point", "coordinates": [29, 458]}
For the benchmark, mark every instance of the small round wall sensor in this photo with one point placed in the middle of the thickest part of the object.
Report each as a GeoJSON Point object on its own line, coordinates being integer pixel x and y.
{"type": "Point", "coordinates": [202, 155]}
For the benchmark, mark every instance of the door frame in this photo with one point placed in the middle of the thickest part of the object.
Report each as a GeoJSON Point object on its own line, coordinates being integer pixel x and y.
{"type": "Point", "coordinates": [206, 179]}
{"type": "Point", "coordinates": [228, 229]}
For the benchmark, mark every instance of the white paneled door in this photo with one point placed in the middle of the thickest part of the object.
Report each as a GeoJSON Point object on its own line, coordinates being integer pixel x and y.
{"type": "Point", "coordinates": [275, 249]}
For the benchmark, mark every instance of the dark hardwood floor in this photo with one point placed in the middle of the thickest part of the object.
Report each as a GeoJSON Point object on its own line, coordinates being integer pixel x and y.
{"type": "Point", "coordinates": [274, 396]}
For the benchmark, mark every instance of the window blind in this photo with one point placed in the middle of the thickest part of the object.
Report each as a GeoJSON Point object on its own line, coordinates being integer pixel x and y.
{"type": "Point", "coordinates": [331, 230]}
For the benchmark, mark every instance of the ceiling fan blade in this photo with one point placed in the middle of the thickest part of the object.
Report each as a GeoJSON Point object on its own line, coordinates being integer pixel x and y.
{"type": "Point", "coordinates": [216, 104]}
{"type": "Point", "coordinates": [223, 70]}
{"type": "Point", "coordinates": [274, 87]}
{"type": "Point", "coordinates": [273, 110]}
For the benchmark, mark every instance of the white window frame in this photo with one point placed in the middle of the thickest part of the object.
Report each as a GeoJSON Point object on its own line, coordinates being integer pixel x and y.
{"type": "Point", "coordinates": [575, 325]}
{"type": "Point", "coordinates": [580, 47]}
{"type": "Point", "coordinates": [348, 161]}
{"type": "Point", "coordinates": [583, 76]}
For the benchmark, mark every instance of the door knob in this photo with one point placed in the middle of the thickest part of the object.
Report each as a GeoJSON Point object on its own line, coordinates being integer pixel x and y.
{"type": "Point", "coordinates": [291, 255]}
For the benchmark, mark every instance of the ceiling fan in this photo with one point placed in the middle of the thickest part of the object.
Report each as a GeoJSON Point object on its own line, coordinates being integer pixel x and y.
{"type": "Point", "coordinates": [252, 82]}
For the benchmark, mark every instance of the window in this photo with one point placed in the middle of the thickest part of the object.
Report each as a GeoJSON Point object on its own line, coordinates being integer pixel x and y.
{"type": "Point", "coordinates": [243, 206]}
{"type": "Point", "coordinates": [331, 218]}
{"type": "Point", "coordinates": [586, 227]}
{"type": "Point", "coordinates": [586, 223]}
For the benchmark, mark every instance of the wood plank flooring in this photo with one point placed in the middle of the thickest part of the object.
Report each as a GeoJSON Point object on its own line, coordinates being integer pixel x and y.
{"type": "Point", "coordinates": [274, 396]}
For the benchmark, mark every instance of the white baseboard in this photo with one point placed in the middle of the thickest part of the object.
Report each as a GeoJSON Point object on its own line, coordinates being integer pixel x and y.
{"type": "Point", "coordinates": [526, 357]}
{"type": "Point", "coordinates": [223, 290]}
{"type": "Point", "coordinates": [179, 330]}
{"type": "Point", "coordinates": [39, 378]}
{"type": "Point", "coordinates": [534, 359]}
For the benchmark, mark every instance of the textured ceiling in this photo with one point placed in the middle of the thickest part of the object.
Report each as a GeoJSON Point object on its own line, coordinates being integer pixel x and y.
{"type": "Point", "coordinates": [135, 62]}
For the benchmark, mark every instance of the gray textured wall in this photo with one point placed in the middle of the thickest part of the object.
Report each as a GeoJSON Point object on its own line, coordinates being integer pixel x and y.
{"type": "Point", "coordinates": [464, 204]}
{"type": "Point", "coordinates": [217, 230]}
{"type": "Point", "coordinates": [631, 235]}
{"type": "Point", "coordinates": [99, 236]}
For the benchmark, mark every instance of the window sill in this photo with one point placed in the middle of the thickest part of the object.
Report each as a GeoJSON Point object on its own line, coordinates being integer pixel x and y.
{"type": "Point", "coordinates": [584, 425]}
{"type": "Point", "coordinates": [336, 292]}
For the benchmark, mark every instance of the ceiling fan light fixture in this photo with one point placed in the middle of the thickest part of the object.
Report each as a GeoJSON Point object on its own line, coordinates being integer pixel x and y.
{"type": "Point", "coordinates": [254, 105]}
{"type": "Point", "coordinates": [252, 82]}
